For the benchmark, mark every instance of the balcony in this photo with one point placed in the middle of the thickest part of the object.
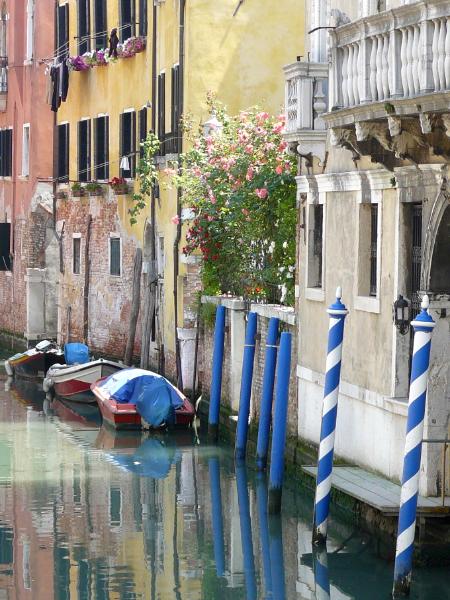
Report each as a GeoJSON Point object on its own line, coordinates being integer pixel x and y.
{"type": "Point", "coordinates": [306, 101]}
{"type": "Point", "coordinates": [390, 83]}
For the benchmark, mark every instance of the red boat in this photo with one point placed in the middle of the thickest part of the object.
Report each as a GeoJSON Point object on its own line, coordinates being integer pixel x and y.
{"type": "Point", "coordinates": [124, 415]}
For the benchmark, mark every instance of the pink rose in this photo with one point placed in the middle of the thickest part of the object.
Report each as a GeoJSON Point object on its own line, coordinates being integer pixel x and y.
{"type": "Point", "coordinates": [262, 116]}
{"type": "Point", "coordinates": [248, 148]}
{"type": "Point", "coordinates": [250, 174]}
{"type": "Point", "coordinates": [262, 192]}
{"type": "Point", "coordinates": [282, 146]}
{"type": "Point", "coordinates": [278, 127]}
{"type": "Point", "coordinates": [175, 220]}
{"type": "Point", "coordinates": [279, 170]}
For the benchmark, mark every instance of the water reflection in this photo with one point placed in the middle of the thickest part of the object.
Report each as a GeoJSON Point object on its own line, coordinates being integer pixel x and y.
{"type": "Point", "coordinates": [86, 512]}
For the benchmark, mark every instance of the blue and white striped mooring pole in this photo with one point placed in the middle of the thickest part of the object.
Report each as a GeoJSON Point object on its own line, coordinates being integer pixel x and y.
{"type": "Point", "coordinates": [321, 576]}
{"type": "Point", "coordinates": [337, 312]}
{"type": "Point", "coordinates": [267, 394]}
{"type": "Point", "coordinates": [216, 376]}
{"type": "Point", "coordinates": [423, 328]}
{"type": "Point", "coordinates": [279, 424]}
{"type": "Point", "coordinates": [246, 386]}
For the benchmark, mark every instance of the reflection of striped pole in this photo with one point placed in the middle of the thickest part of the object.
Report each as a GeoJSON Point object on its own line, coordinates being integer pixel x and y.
{"type": "Point", "coordinates": [423, 327]}
{"type": "Point", "coordinates": [321, 577]}
{"type": "Point", "coordinates": [337, 312]}
{"type": "Point", "coordinates": [216, 376]}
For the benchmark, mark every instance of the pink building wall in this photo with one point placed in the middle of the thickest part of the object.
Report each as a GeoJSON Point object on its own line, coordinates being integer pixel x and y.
{"type": "Point", "coordinates": [26, 202]}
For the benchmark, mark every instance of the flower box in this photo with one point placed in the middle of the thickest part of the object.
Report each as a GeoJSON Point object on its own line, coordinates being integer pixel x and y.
{"type": "Point", "coordinates": [94, 189]}
{"type": "Point", "coordinates": [132, 46]}
{"type": "Point", "coordinates": [79, 63]}
{"type": "Point", "coordinates": [78, 191]}
{"type": "Point", "coordinates": [61, 195]}
{"type": "Point", "coordinates": [119, 186]}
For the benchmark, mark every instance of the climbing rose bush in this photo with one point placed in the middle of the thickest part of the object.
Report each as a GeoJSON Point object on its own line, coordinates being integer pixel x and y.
{"type": "Point", "coordinates": [239, 184]}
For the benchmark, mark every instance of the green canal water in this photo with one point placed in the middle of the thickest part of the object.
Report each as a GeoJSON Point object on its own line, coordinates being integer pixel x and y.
{"type": "Point", "coordinates": [87, 513]}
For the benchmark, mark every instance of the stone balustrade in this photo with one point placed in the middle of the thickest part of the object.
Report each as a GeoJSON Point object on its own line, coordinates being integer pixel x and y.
{"type": "Point", "coordinates": [306, 100]}
{"type": "Point", "coordinates": [401, 53]}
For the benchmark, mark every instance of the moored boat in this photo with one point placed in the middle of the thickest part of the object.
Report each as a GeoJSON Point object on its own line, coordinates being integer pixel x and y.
{"type": "Point", "coordinates": [35, 362]}
{"type": "Point", "coordinates": [74, 381]}
{"type": "Point", "coordinates": [136, 399]}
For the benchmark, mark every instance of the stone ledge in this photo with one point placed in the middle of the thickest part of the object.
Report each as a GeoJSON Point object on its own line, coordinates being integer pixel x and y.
{"type": "Point", "coordinates": [284, 313]}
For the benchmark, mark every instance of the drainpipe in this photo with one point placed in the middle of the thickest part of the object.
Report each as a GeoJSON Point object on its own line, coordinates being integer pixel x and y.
{"type": "Point", "coordinates": [176, 244]}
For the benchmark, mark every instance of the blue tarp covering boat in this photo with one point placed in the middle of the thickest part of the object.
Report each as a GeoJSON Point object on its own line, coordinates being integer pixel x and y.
{"type": "Point", "coordinates": [153, 458]}
{"type": "Point", "coordinates": [155, 398]}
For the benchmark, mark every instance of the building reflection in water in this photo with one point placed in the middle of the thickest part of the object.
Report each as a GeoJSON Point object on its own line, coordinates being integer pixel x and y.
{"type": "Point", "coordinates": [89, 513]}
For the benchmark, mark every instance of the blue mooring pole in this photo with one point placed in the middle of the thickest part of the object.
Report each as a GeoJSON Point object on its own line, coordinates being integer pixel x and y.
{"type": "Point", "coordinates": [337, 312]}
{"type": "Point", "coordinates": [279, 424]}
{"type": "Point", "coordinates": [216, 377]}
{"type": "Point", "coordinates": [246, 387]}
{"type": "Point", "coordinates": [267, 394]}
{"type": "Point", "coordinates": [423, 328]}
{"type": "Point", "coordinates": [217, 518]}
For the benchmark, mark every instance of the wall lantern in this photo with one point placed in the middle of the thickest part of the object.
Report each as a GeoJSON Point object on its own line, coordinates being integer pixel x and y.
{"type": "Point", "coordinates": [401, 314]}
{"type": "Point", "coordinates": [212, 126]}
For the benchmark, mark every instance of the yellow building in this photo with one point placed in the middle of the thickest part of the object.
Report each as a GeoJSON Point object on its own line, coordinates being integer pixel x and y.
{"type": "Point", "coordinates": [234, 48]}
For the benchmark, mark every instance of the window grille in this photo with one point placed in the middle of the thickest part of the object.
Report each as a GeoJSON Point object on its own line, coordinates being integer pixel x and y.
{"type": "Point", "coordinates": [63, 152]}
{"type": "Point", "coordinates": [84, 26]}
{"type": "Point", "coordinates": [127, 19]}
{"type": "Point", "coordinates": [373, 248]}
{"type": "Point", "coordinates": [128, 142]}
{"type": "Point", "coordinates": [100, 25]}
{"type": "Point", "coordinates": [76, 263]}
{"type": "Point", "coordinates": [84, 150]}
{"type": "Point", "coordinates": [115, 258]}
{"type": "Point", "coordinates": [5, 242]}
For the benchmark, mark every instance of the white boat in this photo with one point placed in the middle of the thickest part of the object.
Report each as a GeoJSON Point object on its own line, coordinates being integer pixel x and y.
{"type": "Point", "coordinates": [74, 381]}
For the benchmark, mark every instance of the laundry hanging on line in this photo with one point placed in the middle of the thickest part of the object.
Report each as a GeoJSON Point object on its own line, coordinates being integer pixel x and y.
{"type": "Point", "coordinates": [57, 85]}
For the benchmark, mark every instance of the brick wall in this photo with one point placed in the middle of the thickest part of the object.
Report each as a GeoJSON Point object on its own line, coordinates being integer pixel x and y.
{"type": "Point", "coordinates": [109, 296]}
{"type": "Point", "coordinates": [30, 238]}
{"type": "Point", "coordinates": [287, 323]}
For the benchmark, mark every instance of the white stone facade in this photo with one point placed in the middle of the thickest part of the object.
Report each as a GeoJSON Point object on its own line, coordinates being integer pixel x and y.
{"type": "Point", "coordinates": [375, 219]}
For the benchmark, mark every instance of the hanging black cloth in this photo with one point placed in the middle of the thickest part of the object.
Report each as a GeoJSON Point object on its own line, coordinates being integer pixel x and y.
{"type": "Point", "coordinates": [65, 81]}
{"type": "Point", "coordinates": [113, 43]}
{"type": "Point", "coordinates": [56, 98]}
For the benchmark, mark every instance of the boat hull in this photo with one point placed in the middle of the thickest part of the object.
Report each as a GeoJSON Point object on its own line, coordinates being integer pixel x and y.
{"type": "Point", "coordinates": [125, 416]}
{"type": "Point", "coordinates": [34, 364]}
{"type": "Point", "coordinates": [74, 382]}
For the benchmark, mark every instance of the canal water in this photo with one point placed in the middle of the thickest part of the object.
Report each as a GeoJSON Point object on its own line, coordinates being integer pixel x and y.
{"type": "Point", "coordinates": [88, 513]}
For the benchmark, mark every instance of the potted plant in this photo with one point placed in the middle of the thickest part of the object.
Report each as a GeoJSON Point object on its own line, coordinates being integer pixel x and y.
{"type": "Point", "coordinates": [94, 189]}
{"type": "Point", "coordinates": [77, 190]}
{"type": "Point", "coordinates": [61, 195]}
{"type": "Point", "coordinates": [79, 63]}
{"type": "Point", "coordinates": [119, 185]}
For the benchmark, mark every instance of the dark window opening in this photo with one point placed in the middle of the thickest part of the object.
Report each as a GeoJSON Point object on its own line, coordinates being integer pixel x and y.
{"type": "Point", "coordinates": [373, 248]}
{"type": "Point", "coordinates": [63, 152]}
{"type": "Point", "coordinates": [76, 256]}
{"type": "Point", "coordinates": [162, 112]}
{"type": "Point", "coordinates": [142, 130]}
{"type": "Point", "coordinates": [416, 259]}
{"type": "Point", "coordinates": [84, 150]}
{"type": "Point", "coordinates": [5, 243]}
{"type": "Point", "coordinates": [83, 26]}
{"type": "Point", "coordinates": [62, 31]}
{"type": "Point", "coordinates": [315, 246]}
{"type": "Point", "coordinates": [127, 19]}
{"type": "Point", "coordinates": [114, 250]}
{"type": "Point", "coordinates": [440, 271]}
{"type": "Point", "coordinates": [6, 141]}
{"type": "Point", "coordinates": [143, 17]}
{"type": "Point", "coordinates": [101, 148]}
{"type": "Point", "coordinates": [175, 109]}
{"type": "Point", "coordinates": [100, 25]}
{"type": "Point", "coordinates": [128, 143]}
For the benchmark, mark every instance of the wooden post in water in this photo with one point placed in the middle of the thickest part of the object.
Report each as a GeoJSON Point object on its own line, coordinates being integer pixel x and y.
{"type": "Point", "coordinates": [135, 305]}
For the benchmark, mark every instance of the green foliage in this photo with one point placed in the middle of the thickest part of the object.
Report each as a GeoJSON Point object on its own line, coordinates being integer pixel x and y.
{"type": "Point", "coordinates": [147, 175]}
{"type": "Point", "coordinates": [208, 314]}
{"type": "Point", "coordinates": [239, 182]}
